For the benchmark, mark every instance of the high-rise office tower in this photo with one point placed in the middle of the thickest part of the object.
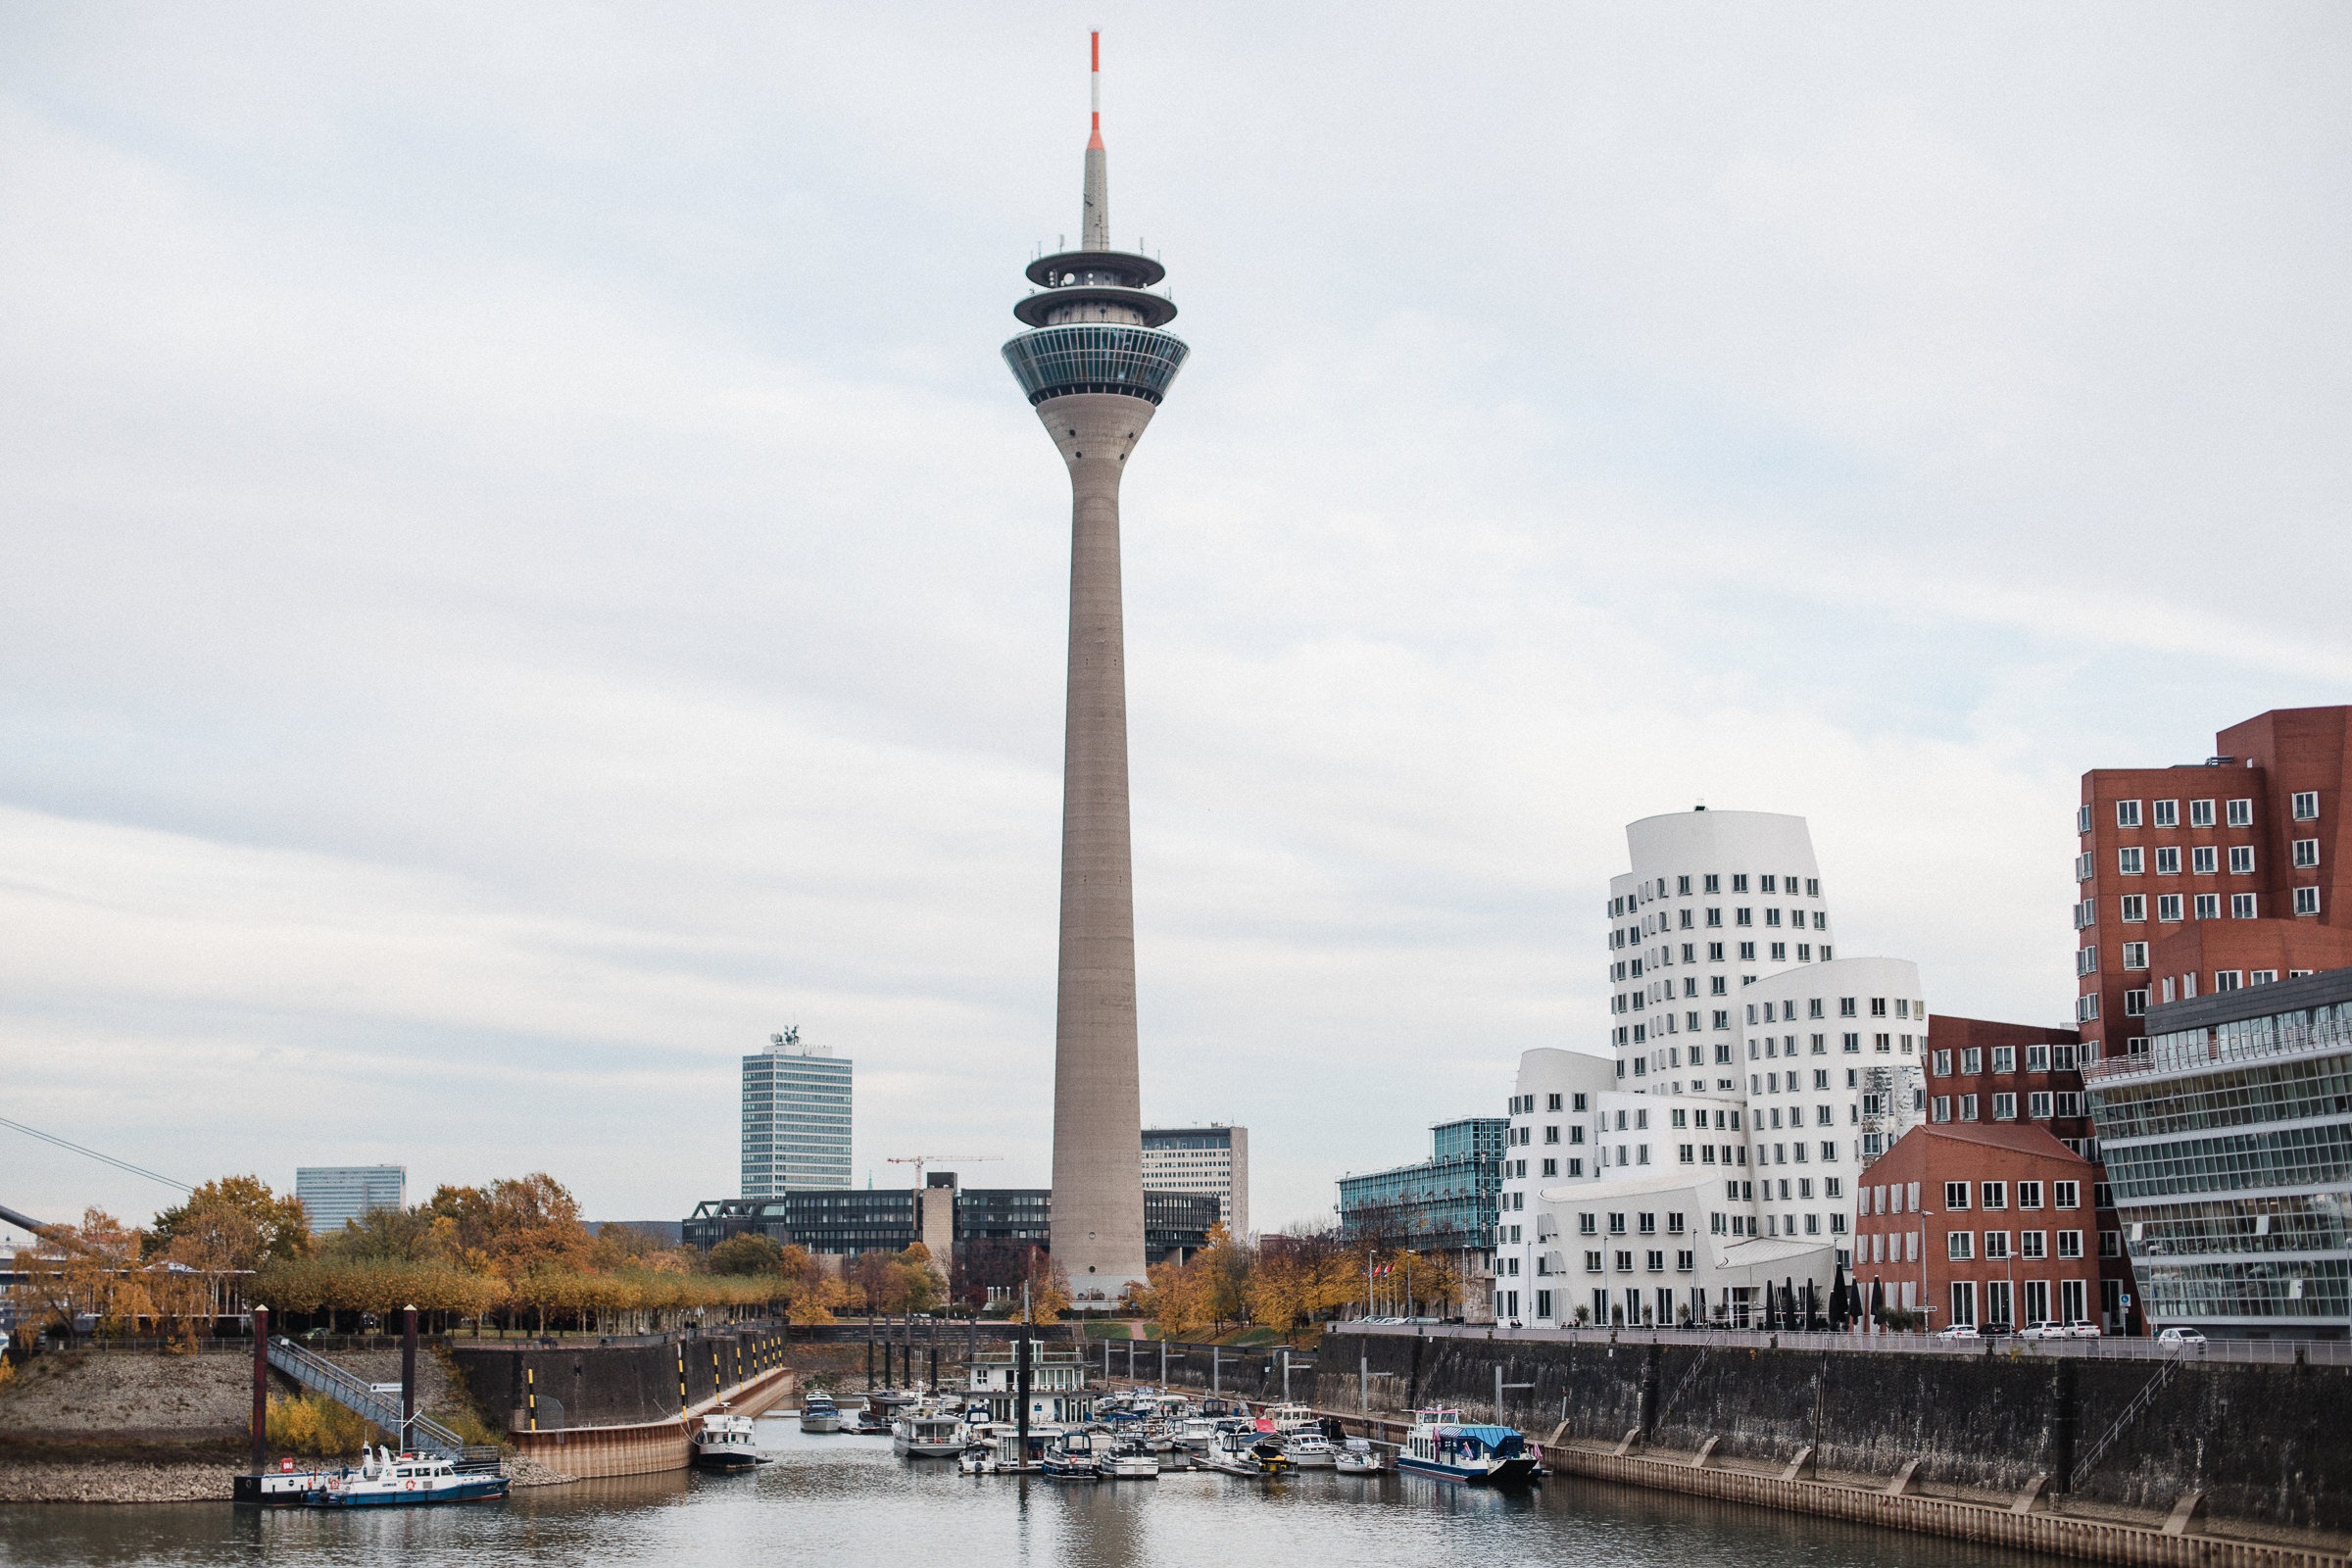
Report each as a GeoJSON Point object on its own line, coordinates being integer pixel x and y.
{"type": "Point", "coordinates": [796, 1118]}
{"type": "Point", "coordinates": [1095, 365]}
{"type": "Point", "coordinates": [1214, 1160]}
{"type": "Point", "coordinates": [332, 1194]}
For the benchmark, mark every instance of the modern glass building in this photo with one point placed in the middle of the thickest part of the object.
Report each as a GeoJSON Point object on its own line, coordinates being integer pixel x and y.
{"type": "Point", "coordinates": [1211, 1159]}
{"type": "Point", "coordinates": [2229, 1150]}
{"type": "Point", "coordinates": [865, 1219]}
{"type": "Point", "coordinates": [796, 1118]}
{"type": "Point", "coordinates": [333, 1194]}
{"type": "Point", "coordinates": [1445, 1202]}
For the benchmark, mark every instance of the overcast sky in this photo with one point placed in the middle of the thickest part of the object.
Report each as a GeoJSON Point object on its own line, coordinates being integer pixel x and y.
{"type": "Point", "coordinates": [524, 572]}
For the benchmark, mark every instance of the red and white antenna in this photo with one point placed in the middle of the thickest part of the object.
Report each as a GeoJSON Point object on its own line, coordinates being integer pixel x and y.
{"type": "Point", "coordinates": [1095, 85]}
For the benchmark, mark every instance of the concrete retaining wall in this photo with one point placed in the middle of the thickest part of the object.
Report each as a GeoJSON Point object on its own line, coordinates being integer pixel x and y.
{"type": "Point", "coordinates": [2267, 1445]}
{"type": "Point", "coordinates": [527, 1387]}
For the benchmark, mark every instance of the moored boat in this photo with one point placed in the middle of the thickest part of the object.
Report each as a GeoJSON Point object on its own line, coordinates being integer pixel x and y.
{"type": "Point", "coordinates": [1442, 1443]}
{"type": "Point", "coordinates": [1309, 1450]}
{"type": "Point", "coordinates": [404, 1479]}
{"type": "Point", "coordinates": [1357, 1458]}
{"type": "Point", "coordinates": [725, 1441]}
{"type": "Point", "coordinates": [1072, 1456]}
{"type": "Point", "coordinates": [1246, 1452]}
{"type": "Point", "coordinates": [818, 1412]}
{"type": "Point", "coordinates": [1127, 1459]}
{"type": "Point", "coordinates": [920, 1432]}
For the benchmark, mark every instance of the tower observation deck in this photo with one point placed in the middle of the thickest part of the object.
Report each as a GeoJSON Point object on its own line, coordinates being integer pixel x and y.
{"type": "Point", "coordinates": [1096, 365]}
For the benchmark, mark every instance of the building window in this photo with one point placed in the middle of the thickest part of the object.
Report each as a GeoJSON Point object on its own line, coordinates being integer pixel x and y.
{"type": "Point", "coordinates": [1968, 1108]}
{"type": "Point", "coordinates": [1996, 1245]}
{"type": "Point", "coordinates": [1747, 953]}
{"type": "Point", "coordinates": [2129, 861]}
{"type": "Point", "coordinates": [2307, 901]}
{"type": "Point", "coordinates": [2168, 814]}
{"type": "Point", "coordinates": [1941, 1108]}
{"type": "Point", "coordinates": [2307, 853]}
{"type": "Point", "coordinates": [2086, 960]}
{"type": "Point", "coordinates": [2306, 806]}
{"type": "Point", "coordinates": [2134, 907]}
{"type": "Point", "coordinates": [1780, 952]}
{"type": "Point", "coordinates": [1740, 917]}
{"type": "Point", "coordinates": [2070, 1243]}
{"type": "Point", "coordinates": [1955, 1195]}
{"type": "Point", "coordinates": [2004, 1107]}
{"type": "Point", "coordinates": [2205, 860]}
{"type": "Point", "coordinates": [2033, 1244]}
{"type": "Point", "coordinates": [2135, 955]}
{"type": "Point", "coordinates": [2241, 859]}
{"type": "Point", "coordinates": [2209, 906]}
{"type": "Point", "coordinates": [2168, 906]}
{"type": "Point", "coordinates": [1958, 1245]}
{"type": "Point", "coordinates": [1591, 1261]}
{"type": "Point", "coordinates": [2064, 1194]}
{"type": "Point", "coordinates": [2135, 1003]}
{"type": "Point", "coordinates": [2168, 860]}
{"type": "Point", "coordinates": [2200, 813]}
{"type": "Point", "coordinates": [2241, 813]}
{"type": "Point", "coordinates": [1943, 1064]}
{"type": "Point", "coordinates": [2127, 813]}
{"type": "Point", "coordinates": [2242, 905]}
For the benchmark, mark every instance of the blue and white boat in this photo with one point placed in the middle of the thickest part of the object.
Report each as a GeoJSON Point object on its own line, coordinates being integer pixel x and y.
{"type": "Point", "coordinates": [1442, 1444]}
{"type": "Point", "coordinates": [407, 1479]}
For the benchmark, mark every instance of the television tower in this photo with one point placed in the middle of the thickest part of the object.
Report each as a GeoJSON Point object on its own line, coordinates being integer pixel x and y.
{"type": "Point", "coordinates": [1095, 365]}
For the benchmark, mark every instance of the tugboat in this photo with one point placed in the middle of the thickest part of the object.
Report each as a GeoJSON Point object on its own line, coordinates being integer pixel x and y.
{"type": "Point", "coordinates": [725, 1443]}
{"type": "Point", "coordinates": [389, 1480]}
{"type": "Point", "coordinates": [818, 1412]}
{"type": "Point", "coordinates": [1440, 1444]}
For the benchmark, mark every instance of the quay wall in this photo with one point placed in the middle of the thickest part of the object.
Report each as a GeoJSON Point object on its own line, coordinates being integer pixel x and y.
{"type": "Point", "coordinates": [528, 1386]}
{"type": "Point", "coordinates": [2265, 1444]}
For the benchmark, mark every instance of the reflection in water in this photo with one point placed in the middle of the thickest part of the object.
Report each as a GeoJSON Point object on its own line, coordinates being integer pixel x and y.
{"type": "Point", "coordinates": [841, 1499]}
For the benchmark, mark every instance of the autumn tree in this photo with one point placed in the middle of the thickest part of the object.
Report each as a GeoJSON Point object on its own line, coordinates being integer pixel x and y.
{"type": "Point", "coordinates": [234, 1224]}
{"type": "Point", "coordinates": [752, 1252]}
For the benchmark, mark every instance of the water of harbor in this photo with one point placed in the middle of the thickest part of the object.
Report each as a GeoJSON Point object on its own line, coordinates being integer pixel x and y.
{"type": "Point", "coordinates": [843, 1500]}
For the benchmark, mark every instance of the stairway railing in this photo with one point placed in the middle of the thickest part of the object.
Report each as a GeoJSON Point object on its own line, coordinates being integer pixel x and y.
{"type": "Point", "coordinates": [355, 1393]}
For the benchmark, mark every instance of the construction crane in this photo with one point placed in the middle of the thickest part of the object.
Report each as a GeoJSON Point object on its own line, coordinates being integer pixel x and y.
{"type": "Point", "coordinates": [918, 1161]}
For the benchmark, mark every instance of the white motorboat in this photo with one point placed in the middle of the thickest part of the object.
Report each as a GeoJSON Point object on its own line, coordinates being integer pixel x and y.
{"type": "Point", "coordinates": [1357, 1458]}
{"type": "Point", "coordinates": [724, 1442]}
{"type": "Point", "coordinates": [1290, 1418]}
{"type": "Point", "coordinates": [1310, 1449]}
{"type": "Point", "coordinates": [1442, 1443]}
{"type": "Point", "coordinates": [920, 1432]}
{"type": "Point", "coordinates": [818, 1412]}
{"type": "Point", "coordinates": [1246, 1454]}
{"type": "Point", "coordinates": [1127, 1459]}
{"type": "Point", "coordinates": [992, 1448]}
{"type": "Point", "coordinates": [389, 1480]}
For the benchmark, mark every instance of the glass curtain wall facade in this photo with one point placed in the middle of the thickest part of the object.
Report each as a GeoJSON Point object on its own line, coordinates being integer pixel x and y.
{"type": "Point", "coordinates": [2229, 1149]}
{"type": "Point", "coordinates": [796, 1118]}
{"type": "Point", "coordinates": [1446, 1201]}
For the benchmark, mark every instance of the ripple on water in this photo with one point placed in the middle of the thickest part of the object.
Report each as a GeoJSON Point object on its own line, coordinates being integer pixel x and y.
{"type": "Point", "coordinates": [850, 1500]}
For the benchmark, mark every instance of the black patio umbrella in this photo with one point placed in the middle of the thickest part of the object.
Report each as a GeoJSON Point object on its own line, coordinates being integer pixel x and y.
{"type": "Point", "coordinates": [1878, 1298]}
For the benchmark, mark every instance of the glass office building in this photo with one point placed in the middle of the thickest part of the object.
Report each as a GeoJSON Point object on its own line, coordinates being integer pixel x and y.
{"type": "Point", "coordinates": [2229, 1150]}
{"type": "Point", "coordinates": [1445, 1202]}
{"type": "Point", "coordinates": [334, 1193]}
{"type": "Point", "coordinates": [796, 1118]}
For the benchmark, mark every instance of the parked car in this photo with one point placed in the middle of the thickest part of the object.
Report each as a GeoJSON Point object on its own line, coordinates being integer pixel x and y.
{"type": "Point", "coordinates": [1993, 1330]}
{"type": "Point", "coordinates": [1958, 1331]}
{"type": "Point", "coordinates": [2081, 1329]}
{"type": "Point", "coordinates": [2181, 1335]}
{"type": "Point", "coordinates": [2042, 1330]}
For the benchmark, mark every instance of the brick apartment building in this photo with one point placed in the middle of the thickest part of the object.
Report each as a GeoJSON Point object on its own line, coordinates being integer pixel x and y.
{"type": "Point", "coordinates": [2209, 876]}
{"type": "Point", "coordinates": [1981, 1073]}
{"type": "Point", "coordinates": [1978, 1222]}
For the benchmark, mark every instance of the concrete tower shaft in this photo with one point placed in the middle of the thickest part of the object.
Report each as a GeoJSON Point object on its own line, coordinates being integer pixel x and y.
{"type": "Point", "coordinates": [1094, 368]}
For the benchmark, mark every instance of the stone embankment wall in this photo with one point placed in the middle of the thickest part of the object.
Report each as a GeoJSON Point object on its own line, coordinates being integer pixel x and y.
{"type": "Point", "coordinates": [607, 1385]}
{"type": "Point", "coordinates": [2266, 1445]}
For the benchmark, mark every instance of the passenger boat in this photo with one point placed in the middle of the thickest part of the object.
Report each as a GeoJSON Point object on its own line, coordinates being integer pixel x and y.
{"type": "Point", "coordinates": [1357, 1458]}
{"type": "Point", "coordinates": [1073, 1456]}
{"type": "Point", "coordinates": [1442, 1443]}
{"type": "Point", "coordinates": [725, 1441]}
{"type": "Point", "coordinates": [818, 1412]}
{"type": "Point", "coordinates": [1309, 1450]}
{"type": "Point", "coordinates": [1127, 1459]}
{"type": "Point", "coordinates": [407, 1479]}
{"type": "Point", "coordinates": [921, 1432]}
{"type": "Point", "coordinates": [1246, 1454]}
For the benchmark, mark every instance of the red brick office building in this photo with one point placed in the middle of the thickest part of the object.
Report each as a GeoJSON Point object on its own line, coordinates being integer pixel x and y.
{"type": "Point", "coordinates": [1978, 1222]}
{"type": "Point", "coordinates": [2013, 1074]}
{"type": "Point", "coordinates": [2209, 876]}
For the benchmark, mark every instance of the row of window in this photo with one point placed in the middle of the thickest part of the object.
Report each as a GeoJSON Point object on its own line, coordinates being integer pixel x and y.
{"type": "Point", "coordinates": [1684, 1262]}
{"type": "Point", "coordinates": [2133, 907]}
{"type": "Point", "coordinates": [1847, 1007]}
{"type": "Point", "coordinates": [1766, 882]}
{"type": "Point", "coordinates": [1525, 1104]}
{"type": "Point", "coordinates": [2041, 1104]}
{"type": "Point", "coordinates": [1960, 1246]}
{"type": "Point", "coordinates": [2304, 806]}
{"type": "Point", "coordinates": [1687, 921]}
{"type": "Point", "coordinates": [2055, 1057]}
{"type": "Point", "coordinates": [2204, 859]}
{"type": "Point", "coordinates": [1996, 1195]}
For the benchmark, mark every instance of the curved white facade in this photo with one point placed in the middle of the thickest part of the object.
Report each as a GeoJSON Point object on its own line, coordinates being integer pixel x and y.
{"type": "Point", "coordinates": [1751, 1074]}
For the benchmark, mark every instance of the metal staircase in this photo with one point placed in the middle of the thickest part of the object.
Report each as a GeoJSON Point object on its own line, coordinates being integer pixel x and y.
{"type": "Point", "coordinates": [2132, 1412]}
{"type": "Point", "coordinates": [355, 1393]}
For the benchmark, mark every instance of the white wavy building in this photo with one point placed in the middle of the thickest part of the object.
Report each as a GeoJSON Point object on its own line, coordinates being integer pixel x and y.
{"type": "Point", "coordinates": [1751, 1073]}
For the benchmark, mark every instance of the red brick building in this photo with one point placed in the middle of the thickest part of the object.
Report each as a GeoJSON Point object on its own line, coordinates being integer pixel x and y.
{"type": "Point", "coordinates": [1979, 1072]}
{"type": "Point", "coordinates": [1979, 1223]}
{"type": "Point", "coordinates": [2213, 875]}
